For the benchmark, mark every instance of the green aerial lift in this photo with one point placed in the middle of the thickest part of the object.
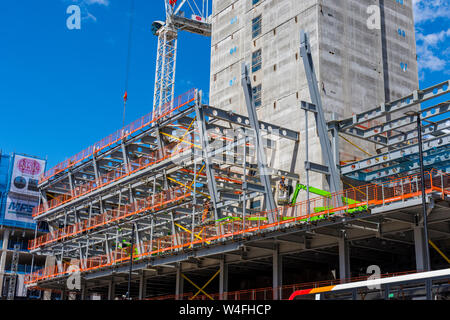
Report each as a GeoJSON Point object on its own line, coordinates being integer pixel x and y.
{"type": "Point", "coordinates": [327, 194]}
{"type": "Point", "coordinates": [284, 201]}
{"type": "Point", "coordinates": [124, 244]}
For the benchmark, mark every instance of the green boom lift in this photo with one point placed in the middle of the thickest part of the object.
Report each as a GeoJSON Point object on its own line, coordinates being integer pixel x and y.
{"type": "Point", "coordinates": [327, 194]}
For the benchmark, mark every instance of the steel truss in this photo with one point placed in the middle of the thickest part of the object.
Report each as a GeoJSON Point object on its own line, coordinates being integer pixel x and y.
{"type": "Point", "coordinates": [166, 58]}
{"type": "Point", "coordinates": [396, 140]}
{"type": "Point", "coordinates": [165, 71]}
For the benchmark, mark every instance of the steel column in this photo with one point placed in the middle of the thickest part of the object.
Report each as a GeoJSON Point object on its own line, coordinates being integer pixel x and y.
{"type": "Point", "coordinates": [344, 258]}
{"type": "Point", "coordinates": [212, 186]}
{"type": "Point", "coordinates": [261, 156]}
{"type": "Point", "coordinates": [277, 273]}
{"type": "Point", "coordinates": [322, 128]}
{"type": "Point", "coordinates": [223, 280]}
{"type": "Point", "coordinates": [179, 283]}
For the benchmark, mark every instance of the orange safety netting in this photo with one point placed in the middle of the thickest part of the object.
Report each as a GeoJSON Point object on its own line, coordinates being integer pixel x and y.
{"type": "Point", "coordinates": [365, 196]}
{"type": "Point", "coordinates": [168, 109]}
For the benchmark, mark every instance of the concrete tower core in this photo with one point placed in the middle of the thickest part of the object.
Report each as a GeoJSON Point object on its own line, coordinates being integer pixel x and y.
{"type": "Point", "coordinates": [364, 55]}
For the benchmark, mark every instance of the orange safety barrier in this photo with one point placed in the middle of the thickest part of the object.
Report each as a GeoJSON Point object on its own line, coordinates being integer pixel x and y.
{"type": "Point", "coordinates": [134, 166]}
{"type": "Point", "coordinates": [152, 203]}
{"type": "Point", "coordinates": [145, 161]}
{"type": "Point", "coordinates": [370, 195]}
{"type": "Point", "coordinates": [285, 291]}
{"type": "Point", "coordinates": [120, 134]}
{"type": "Point", "coordinates": [184, 296]}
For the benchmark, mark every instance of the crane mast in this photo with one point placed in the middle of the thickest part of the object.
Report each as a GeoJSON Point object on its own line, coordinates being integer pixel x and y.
{"type": "Point", "coordinates": [166, 59]}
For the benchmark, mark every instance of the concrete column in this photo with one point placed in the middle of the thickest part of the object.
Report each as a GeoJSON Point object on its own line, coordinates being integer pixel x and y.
{"type": "Point", "coordinates": [72, 296]}
{"type": "Point", "coordinates": [419, 247]}
{"type": "Point", "coordinates": [83, 291]}
{"type": "Point", "coordinates": [50, 261]}
{"type": "Point", "coordinates": [6, 233]}
{"type": "Point", "coordinates": [47, 295]}
{"type": "Point", "coordinates": [142, 286]}
{"type": "Point", "coordinates": [223, 280]}
{"type": "Point", "coordinates": [277, 273]}
{"type": "Point", "coordinates": [111, 290]}
{"type": "Point", "coordinates": [3, 258]}
{"type": "Point", "coordinates": [344, 259]}
{"type": "Point", "coordinates": [179, 284]}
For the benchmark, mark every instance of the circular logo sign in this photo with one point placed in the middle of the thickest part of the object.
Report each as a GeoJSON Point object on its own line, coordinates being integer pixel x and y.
{"type": "Point", "coordinates": [20, 182]}
{"type": "Point", "coordinates": [29, 166]}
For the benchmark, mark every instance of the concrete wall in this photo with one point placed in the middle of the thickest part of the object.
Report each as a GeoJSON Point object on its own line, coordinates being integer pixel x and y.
{"type": "Point", "coordinates": [357, 68]}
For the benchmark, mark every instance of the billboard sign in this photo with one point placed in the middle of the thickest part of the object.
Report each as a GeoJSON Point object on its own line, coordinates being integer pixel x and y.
{"type": "Point", "coordinates": [18, 209]}
{"type": "Point", "coordinates": [25, 175]}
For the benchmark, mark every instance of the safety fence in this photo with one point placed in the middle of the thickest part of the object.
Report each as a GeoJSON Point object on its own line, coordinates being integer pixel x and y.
{"type": "Point", "coordinates": [347, 202]}
{"type": "Point", "coordinates": [283, 292]}
{"type": "Point", "coordinates": [152, 203]}
{"type": "Point", "coordinates": [120, 134]}
{"type": "Point", "coordinates": [123, 171]}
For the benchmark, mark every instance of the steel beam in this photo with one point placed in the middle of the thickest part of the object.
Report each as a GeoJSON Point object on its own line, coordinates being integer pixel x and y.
{"type": "Point", "coordinates": [322, 128]}
{"type": "Point", "coordinates": [261, 155]}
{"type": "Point", "coordinates": [394, 155]}
{"type": "Point", "coordinates": [212, 186]}
{"type": "Point", "coordinates": [414, 98]}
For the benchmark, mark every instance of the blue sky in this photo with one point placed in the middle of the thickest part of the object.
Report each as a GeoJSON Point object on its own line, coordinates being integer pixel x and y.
{"type": "Point", "coordinates": [61, 90]}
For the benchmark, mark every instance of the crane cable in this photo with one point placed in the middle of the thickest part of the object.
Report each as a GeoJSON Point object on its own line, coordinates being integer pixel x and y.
{"type": "Point", "coordinates": [127, 72]}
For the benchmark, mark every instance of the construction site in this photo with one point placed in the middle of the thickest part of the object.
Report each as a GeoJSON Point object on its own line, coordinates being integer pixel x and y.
{"type": "Point", "coordinates": [317, 166]}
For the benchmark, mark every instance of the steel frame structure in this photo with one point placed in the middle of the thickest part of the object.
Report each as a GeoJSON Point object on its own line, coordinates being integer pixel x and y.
{"type": "Point", "coordinates": [184, 181]}
{"type": "Point", "coordinates": [158, 165]}
{"type": "Point", "coordinates": [166, 58]}
{"type": "Point", "coordinates": [397, 139]}
{"type": "Point", "coordinates": [165, 70]}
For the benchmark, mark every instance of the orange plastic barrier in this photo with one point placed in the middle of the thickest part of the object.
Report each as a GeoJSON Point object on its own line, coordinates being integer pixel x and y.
{"type": "Point", "coordinates": [131, 128]}
{"type": "Point", "coordinates": [370, 195]}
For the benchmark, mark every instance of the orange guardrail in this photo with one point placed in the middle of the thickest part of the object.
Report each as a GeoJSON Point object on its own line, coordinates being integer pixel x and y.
{"type": "Point", "coordinates": [152, 158]}
{"type": "Point", "coordinates": [145, 161]}
{"type": "Point", "coordinates": [151, 203]}
{"type": "Point", "coordinates": [371, 195]}
{"type": "Point", "coordinates": [120, 134]}
{"type": "Point", "coordinates": [285, 291]}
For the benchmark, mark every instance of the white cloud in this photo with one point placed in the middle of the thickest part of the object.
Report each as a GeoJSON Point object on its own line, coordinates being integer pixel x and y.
{"type": "Point", "coordinates": [430, 10]}
{"type": "Point", "coordinates": [431, 52]}
{"type": "Point", "coordinates": [432, 48]}
{"type": "Point", "coordinates": [100, 2]}
{"type": "Point", "coordinates": [84, 4]}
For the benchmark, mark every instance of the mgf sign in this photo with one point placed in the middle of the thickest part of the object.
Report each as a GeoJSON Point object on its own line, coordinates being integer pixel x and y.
{"type": "Point", "coordinates": [25, 175]}
{"type": "Point", "coordinates": [19, 209]}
